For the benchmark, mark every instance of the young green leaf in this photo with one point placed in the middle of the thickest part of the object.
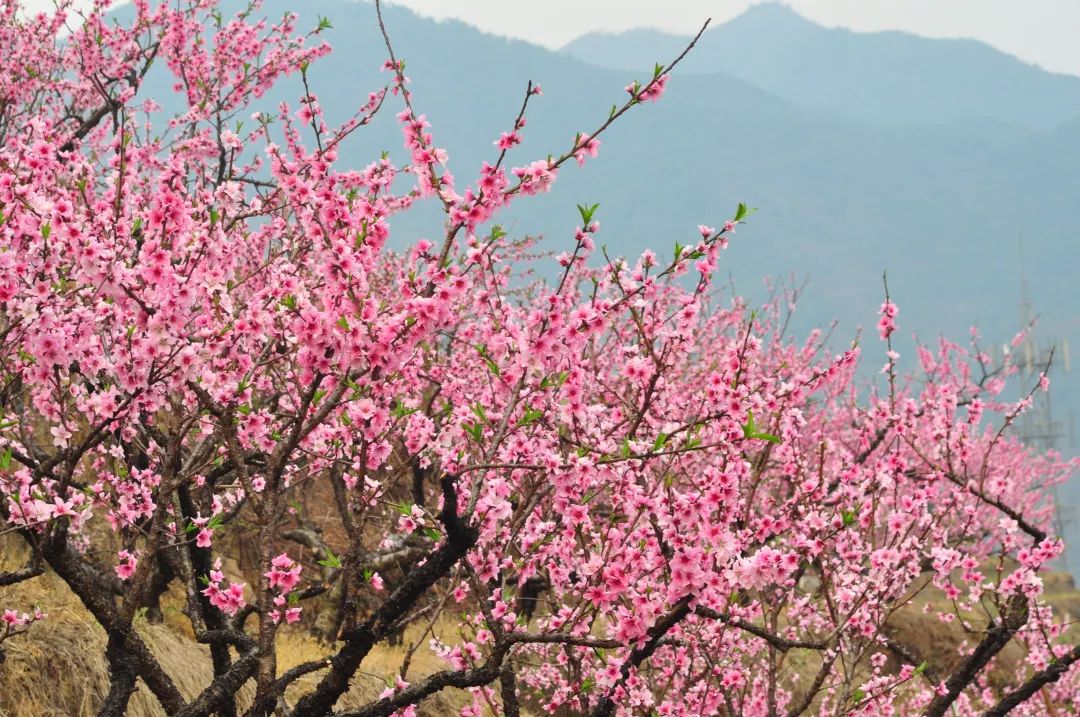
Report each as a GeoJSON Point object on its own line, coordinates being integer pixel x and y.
{"type": "Point", "coordinates": [749, 428]}
{"type": "Point", "coordinates": [531, 416]}
{"type": "Point", "coordinates": [331, 560]}
{"type": "Point", "coordinates": [587, 213]}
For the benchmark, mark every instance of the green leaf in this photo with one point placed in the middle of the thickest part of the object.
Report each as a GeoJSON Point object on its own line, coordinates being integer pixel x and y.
{"type": "Point", "coordinates": [587, 212]}
{"type": "Point", "coordinates": [749, 428]}
{"type": "Point", "coordinates": [660, 442]}
{"type": "Point", "coordinates": [433, 533]}
{"type": "Point", "coordinates": [400, 410]}
{"type": "Point", "coordinates": [492, 366]}
{"type": "Point", "coordinates": [743, 211]}
{"type": "Point", "coordinates": [921, 668]}
{"type": "Point", "coordinates": [5, 459]}
{"type": "Point", "coordinates": [46, 230]}
{"type": "Point", "coordinates": [531, 416]}
{"type": "Point", "coordinates": [331, 561]}
{"type": "Point", "coordinates": [556, 380]}
{"type": "Point", "coordinates": [858, 696]}
{"type": "Point", "coordinates": [475, 430]}
{"type": "Point", "coordinates": [587, 684]}
{"type": "Point", "coordinates": [657, 69]}
{"type": "Point", "coordinates": [343, 323]}
{"type": "Point", "coordinates": [751, 432]}
{"type": "Point", "coordinates": [289, 301]}
{"type": "Point", "coordinates": [848, 516]}
{"type": "Point", "coordinates": [625, 451]}
{"type": "Point", "coordinates": [478, 409]}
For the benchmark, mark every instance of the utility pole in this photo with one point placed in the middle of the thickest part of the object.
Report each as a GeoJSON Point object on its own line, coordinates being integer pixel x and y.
{"type": "Point", "coordinates": [1036, 427]}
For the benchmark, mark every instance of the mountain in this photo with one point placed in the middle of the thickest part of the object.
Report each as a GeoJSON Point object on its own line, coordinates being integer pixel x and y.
{"type": "Point", "coordinates": [884, 77]}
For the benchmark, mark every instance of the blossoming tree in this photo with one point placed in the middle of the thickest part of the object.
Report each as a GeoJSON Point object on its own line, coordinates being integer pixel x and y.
{"type": "Point", "coordinates": [639, 497]}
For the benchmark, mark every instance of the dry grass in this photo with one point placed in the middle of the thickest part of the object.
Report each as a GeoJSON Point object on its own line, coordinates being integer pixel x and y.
{"type": "Point", "coordinates": [59, 668]}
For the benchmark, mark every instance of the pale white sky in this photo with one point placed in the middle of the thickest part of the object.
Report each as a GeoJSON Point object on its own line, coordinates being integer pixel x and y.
{"type": "Point", "coordinates": [1046, 32]}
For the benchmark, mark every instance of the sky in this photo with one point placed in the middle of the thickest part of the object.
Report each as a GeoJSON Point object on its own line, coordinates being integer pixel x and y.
{"type": "Point", "coordinates": [1043, 32]}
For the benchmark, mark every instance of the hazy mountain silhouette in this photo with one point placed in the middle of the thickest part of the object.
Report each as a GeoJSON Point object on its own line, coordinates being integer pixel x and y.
{"type": "Point", "coordinates": [886, 77]}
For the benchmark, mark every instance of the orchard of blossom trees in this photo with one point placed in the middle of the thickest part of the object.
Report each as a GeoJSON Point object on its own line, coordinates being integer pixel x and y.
{"type": "Point", "coordinates": [628, 492]}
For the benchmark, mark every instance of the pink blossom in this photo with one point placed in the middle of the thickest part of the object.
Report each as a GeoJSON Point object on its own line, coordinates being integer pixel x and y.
{"type": "Point", "coordinates": [125, 568]}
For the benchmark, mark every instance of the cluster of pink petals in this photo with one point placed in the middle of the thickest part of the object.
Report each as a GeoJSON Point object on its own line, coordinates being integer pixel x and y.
{"type": "Point", "coordinates": [230, 598]}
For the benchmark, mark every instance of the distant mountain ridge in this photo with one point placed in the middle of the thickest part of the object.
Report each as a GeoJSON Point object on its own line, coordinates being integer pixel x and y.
{"type": "Point", "coordinates": [886, 77]}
